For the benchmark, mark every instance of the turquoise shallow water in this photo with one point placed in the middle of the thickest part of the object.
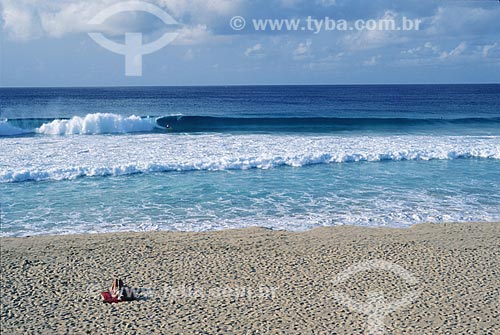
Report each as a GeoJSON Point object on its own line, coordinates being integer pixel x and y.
{"type": "Point", "coordinates": [370, 194]}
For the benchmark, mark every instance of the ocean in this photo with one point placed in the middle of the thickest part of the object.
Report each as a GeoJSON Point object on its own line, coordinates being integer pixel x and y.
{"type": "Point", "coordinates": [92, 160]}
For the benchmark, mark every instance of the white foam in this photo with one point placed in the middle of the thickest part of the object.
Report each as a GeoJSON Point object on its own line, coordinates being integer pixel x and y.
{"type": "Point", "coordinates": [7, 129]}
{"type": "Point", "coordinates": [98, 123]}
{"type": "Point", "coordinates": [69, 157]}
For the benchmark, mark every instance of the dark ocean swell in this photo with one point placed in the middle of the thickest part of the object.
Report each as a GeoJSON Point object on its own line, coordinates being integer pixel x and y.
{"type": "Point", "coordinates": [108, 123]}
{"type": "Point", "coordinates": [188, 124]}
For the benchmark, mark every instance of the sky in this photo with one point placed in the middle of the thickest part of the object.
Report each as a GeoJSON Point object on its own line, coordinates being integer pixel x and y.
{"type": "Point", "coordinates": [47, 43]}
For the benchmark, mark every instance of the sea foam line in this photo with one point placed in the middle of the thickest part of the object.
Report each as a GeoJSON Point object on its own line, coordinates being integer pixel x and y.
{"type": "Point", "coordinates": [243, 163]}
{"type": "Point", "coordinates": [69, 157]}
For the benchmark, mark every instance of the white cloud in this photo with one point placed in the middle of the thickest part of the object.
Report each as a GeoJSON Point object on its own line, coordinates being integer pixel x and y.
{"type": "Point", "coordinates": [429, 45]}
{"type": "Point", "coordinates": [464, 52]}
{"type": "Point", "coordinates": [191, 35]}
{"type": "Point", "coordinates": [455, 52]}
{"type": "Point", "coordinates": [327, 3]}
{"type": "Point", "coordinates": [486, 50]}
{"type": "Point", "coordinates": [256, 51]}
{"type": "Point", "coordinates": [289, 3]}
{"type": "Point", "coordinates": [412, 51]}
{"type": "Point", "coordinates": [455, 19]}
{"type": "Point", "coordinates": [333, 58]}
{"type": "Point", "coordinates": [28, 19]}
{"type": "Point", "coordinates": [199, 11]}
{"type": "Point", "coordinates": [371, 39]}
{"type": "Point", "coordinates": [19, 20]}
{"type": "Point", "coordinates": [372, 61]}
{"type": "Point", "coordinates": [302, 51]}
{"type": "Point", "coordinates": [296, 3]}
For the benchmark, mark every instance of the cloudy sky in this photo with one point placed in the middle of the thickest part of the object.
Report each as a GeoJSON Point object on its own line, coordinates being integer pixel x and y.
{"type": "Point", "coordinates": [46, 43]}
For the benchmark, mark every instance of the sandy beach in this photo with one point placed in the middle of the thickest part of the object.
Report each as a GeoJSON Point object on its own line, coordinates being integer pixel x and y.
{"type": "Point", "coordinates": [428, 279]}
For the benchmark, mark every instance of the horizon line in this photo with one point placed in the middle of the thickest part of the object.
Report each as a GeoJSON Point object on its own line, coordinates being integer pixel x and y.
{"type": "Point", "coordinates": [252, 85]}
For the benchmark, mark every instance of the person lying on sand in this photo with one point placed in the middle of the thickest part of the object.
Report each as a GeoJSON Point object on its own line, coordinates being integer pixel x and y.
{"type": "Point", "coordinates": [120, 291]}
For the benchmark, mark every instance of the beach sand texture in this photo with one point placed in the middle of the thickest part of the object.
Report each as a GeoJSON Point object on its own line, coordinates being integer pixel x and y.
{"type": "Point", "coordinates": [257, 281]}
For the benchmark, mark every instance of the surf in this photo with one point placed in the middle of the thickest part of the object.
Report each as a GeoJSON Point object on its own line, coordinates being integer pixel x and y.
{"type": "Point", "coordinates": [99, 123]}
{"type": "Point", "coordinates": [110, 123]}
{"type": "Point", "coordinates": [71, 157]}
{"type": "Point", "coordinates": [90, 124]}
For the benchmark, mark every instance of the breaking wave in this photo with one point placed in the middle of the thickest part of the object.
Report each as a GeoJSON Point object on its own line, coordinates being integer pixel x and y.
{"type": "Point", "coordinates": [108, 123]}
{"type": "Point", "coordinates": [99, 123]}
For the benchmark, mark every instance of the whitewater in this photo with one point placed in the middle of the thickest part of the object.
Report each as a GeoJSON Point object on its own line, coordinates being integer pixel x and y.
{"type": "Point", "coordinates": [70, 157]}
{"type": "Point", "coordinates": [95, 123]}
{"type": "Point", "coordinates": [107, 172]}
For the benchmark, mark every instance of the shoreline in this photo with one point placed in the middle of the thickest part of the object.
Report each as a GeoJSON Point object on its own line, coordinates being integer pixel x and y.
{"type": "Point", "coordinates": [215, 231]}
{"type": "Point", "coordinates": [255, 280]}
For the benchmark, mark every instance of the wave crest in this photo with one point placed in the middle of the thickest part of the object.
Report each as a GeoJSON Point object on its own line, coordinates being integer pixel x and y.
{"type": "Point", "coordinates": [98, 123]}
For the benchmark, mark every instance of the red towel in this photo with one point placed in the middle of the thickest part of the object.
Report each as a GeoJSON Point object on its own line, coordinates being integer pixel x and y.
{"type": "Point", "coordinates": [107, 297]}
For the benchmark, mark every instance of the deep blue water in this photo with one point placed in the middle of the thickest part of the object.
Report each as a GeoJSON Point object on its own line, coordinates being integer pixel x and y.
{"type": "Point", "coordinates": [362, 101]}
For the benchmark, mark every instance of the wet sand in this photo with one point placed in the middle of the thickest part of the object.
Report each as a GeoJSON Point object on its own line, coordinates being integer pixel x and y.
{"type": "Point", "coordinates": [428, 279]}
